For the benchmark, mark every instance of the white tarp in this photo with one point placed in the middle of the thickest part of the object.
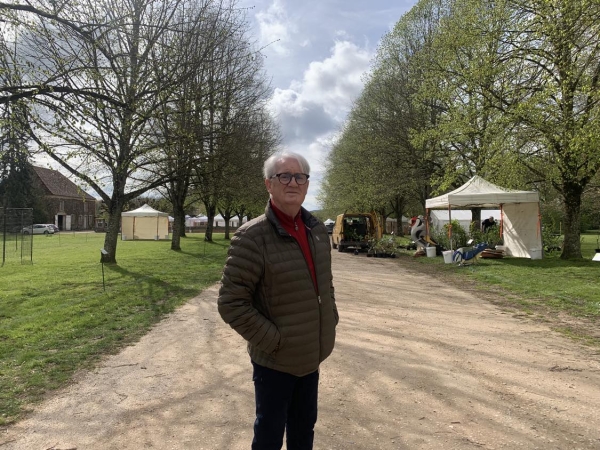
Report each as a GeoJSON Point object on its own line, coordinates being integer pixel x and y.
{"type": "Point", "coordinates": [521, 228]}
{"type": "Point", "coordinates": [219, 221]}
{"type": "Point", "coordinates": [144, 223]}
{"type": "Point", "coordinates": [197, 221]}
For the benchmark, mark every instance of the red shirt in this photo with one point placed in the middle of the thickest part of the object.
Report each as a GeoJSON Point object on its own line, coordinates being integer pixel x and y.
{"type": "Point", "coordinates": [296, 228]}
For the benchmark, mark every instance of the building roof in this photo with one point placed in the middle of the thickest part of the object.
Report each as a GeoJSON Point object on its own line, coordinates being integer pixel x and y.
{"type": "Point", "coordinates": [59, 185]}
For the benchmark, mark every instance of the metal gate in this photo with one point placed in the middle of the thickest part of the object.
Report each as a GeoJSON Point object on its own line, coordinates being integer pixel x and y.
{"type": "Point", "coordinates": [16, 245]}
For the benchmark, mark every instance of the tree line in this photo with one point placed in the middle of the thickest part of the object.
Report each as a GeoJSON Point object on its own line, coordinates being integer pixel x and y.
{"type": "Point", "coordinates": [135, 97]}
{"type": "Point", "coordinates": [507, 90]}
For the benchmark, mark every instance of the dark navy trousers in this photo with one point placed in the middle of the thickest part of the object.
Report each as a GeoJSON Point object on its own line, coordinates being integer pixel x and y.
{"type": "Point", "coordinates": [284, 403]}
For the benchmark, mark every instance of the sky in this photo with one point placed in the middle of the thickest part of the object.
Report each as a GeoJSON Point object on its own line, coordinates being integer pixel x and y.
{"type": "Point", "coordinates": [317, 53]}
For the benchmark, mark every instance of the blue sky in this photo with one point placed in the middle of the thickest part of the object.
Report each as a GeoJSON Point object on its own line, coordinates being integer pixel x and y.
{"type": "Point", "coordinates": [317, 53]}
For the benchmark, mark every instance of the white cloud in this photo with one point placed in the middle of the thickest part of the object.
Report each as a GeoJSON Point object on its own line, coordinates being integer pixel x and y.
{"type": "Point", "coordinates": [330, 85]}
{"type": "Point", "coordinates": [317, 66]}
{"type": "Point", "coordinates": [311, 110]}
{"type": "Point", "coordinates": [337, 81]}
{"type": "Point", "coordinates": [275, 28]}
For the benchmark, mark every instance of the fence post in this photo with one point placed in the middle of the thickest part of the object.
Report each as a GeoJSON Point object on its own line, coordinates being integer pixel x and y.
{"type": "Point", "coordinates": [103, 255]}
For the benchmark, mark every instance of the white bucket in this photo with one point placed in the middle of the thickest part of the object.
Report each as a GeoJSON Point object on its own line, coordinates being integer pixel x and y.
{"type": "Point", "coordinates": [430, 252]}
{"type": "Point", "coordinates": [535, 253]}
{"type": "Point", "coordinates": [448, 256]}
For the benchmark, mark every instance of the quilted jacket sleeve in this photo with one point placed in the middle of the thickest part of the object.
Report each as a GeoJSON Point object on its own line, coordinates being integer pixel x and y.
{"type": "Point", "coordinates": [241, 277]}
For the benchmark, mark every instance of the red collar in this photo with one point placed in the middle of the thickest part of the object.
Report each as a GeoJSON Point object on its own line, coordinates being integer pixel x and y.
{"type": "Point", "coordinates": [288, 222]}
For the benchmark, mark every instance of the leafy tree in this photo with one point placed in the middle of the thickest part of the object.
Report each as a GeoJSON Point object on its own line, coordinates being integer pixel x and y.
{"type": "Point", "coordinates": [551, 73]}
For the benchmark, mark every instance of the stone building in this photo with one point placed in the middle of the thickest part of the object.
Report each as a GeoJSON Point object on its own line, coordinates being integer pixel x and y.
{"type": "Point", "coordinates": [68, 206]}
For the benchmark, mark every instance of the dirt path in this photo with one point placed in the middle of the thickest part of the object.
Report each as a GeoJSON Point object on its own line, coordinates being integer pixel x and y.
{"type": "Point", "coordinates": [418, 365]}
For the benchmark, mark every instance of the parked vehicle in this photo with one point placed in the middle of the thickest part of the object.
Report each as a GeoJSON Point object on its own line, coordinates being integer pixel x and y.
{"type": "Point", "coordinates": [355, 230]}
{"type": "Point", "coordinates": [38, 228]}
{"type": "Point", "coordinates": [54, 227]}
{"type": "Point", "coordinates": [329, 227]}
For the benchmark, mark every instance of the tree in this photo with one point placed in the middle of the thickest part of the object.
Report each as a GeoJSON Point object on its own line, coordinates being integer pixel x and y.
{"type": "Point", "coordinates": [113, 66]}
{"type": "Point", "coordinates": [551, 91]}
{"type": "Point", "coordinates": [377, 163]}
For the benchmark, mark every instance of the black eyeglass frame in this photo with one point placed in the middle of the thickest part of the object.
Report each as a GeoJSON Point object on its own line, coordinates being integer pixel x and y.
{"type": "Point", "coordinates": [292, 175]}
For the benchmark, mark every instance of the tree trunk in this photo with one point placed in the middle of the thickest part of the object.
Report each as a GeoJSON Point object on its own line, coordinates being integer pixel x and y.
{"type": "Point", "coordinates": [175, 238]}
{"type": "Point", "coordinates": [178, 216]}
{"type": "Point", "coordinates": [227, 217]}
{"type": "Point", "coordinates": [210, 212]}
{"type": "Point", "coordinates": [112, 234]}
{"type": "Point", "coordinates": [475, 219]}
{"type": "Point", "coordinates": [572, 243]}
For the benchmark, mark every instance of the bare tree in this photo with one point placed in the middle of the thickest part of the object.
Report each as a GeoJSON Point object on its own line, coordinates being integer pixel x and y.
{"type": "Point", "coordinates": [98, 112]}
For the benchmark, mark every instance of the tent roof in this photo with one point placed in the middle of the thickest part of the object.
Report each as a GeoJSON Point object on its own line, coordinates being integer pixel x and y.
{"type": "Point", "coordinates": [481, 193]}
{"type": "Point", "coordinates": [329, 221]}
{"type": "Point", "coordinates": [144, 211]}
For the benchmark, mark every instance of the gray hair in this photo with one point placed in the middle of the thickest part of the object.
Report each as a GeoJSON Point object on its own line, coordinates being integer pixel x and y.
{"type": "Point", "coordinates": [270, 167]}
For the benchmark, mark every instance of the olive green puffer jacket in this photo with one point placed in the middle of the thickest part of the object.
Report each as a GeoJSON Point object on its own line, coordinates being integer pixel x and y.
{"type": "Point", "coordinates": [268, 296]}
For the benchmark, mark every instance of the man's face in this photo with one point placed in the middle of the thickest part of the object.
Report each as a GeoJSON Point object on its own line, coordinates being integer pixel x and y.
{"type": "Point", "coordinates": [288, 198]}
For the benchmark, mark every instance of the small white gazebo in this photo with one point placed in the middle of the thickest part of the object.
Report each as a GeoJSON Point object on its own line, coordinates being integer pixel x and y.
{"type": "Point", "coordinates": [144, 223]}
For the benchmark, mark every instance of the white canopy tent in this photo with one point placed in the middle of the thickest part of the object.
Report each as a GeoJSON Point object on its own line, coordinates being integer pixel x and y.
{"type": "Point", "coordinates": [197, 221]}
{"type": "Point", "coordinates": [144, 223]}
{"type": "Point", "coordinates": [519, 213]}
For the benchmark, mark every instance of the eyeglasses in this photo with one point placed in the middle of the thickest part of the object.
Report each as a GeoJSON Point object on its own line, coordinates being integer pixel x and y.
{"type": "Point", "coordinates": [286, 178]}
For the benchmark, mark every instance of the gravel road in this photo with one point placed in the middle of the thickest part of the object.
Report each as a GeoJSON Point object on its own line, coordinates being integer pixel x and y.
{"type": "Point", "coordinates": [418, 364]}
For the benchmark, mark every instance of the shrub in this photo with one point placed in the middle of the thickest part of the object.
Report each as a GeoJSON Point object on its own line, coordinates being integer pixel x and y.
{"type": "Point", "coordinates": [459, 236]}
{"type": "Point", "coordinates": [491, 236]}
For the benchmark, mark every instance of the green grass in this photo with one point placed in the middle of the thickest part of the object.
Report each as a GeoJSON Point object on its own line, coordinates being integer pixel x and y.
{"type": "Point", "coordinates": [56, 318]}
{"type": "Point", "coordinates": [549, 287]}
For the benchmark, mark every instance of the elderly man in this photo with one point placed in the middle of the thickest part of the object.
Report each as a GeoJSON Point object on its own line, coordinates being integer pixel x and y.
{"type": "Point", "coordinates": [277, 292]}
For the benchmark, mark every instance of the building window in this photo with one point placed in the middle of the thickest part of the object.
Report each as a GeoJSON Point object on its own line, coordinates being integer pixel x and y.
{"type": "Point", "coordinates": [61, 206]}
{"type": "Point", "coordinates": [85, 207]}
{"type": "Point", "coordinates": [80, 220]}
{"type": "Point", "coordinates": [90, 221]}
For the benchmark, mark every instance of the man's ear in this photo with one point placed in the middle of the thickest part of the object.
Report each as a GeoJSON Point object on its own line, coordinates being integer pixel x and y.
{"type": "Point", "coordinates": [268, 184]}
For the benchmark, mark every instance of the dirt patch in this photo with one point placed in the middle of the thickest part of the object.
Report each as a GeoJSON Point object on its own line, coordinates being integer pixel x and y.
{"type": "Point", "coordinates": [420, 363]}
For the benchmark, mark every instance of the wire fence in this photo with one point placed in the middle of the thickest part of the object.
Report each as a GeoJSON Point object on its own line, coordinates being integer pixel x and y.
{"type": "Point", "coordinates": [16, 234]}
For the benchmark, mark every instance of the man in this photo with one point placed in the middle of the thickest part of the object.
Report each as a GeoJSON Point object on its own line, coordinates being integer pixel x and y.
{"type": "Point", "coordinates": [277, 292]}
{"type": "Point", "coordinates": [488, 223]}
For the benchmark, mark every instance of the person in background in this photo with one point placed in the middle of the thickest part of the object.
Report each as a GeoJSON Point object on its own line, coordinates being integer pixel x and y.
{"type": "Point", "coordinates": [277, 293]}
{"type": "Point", "coordinates": [488, 223]}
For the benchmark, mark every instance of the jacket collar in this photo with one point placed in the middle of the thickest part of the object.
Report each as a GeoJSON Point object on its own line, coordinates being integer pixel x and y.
{"type": "Point", "coordinates": [307, 218]}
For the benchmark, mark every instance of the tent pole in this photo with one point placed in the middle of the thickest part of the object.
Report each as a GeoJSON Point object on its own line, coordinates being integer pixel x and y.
{"type": "Point", "coordinates": [502, 221]}
{"type": "Point", "coordinates": [450, 226]}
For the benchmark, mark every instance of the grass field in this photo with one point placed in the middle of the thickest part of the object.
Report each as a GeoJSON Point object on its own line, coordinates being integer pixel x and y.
{"type": "Point", "coordinates": [57, 316]}
{"type": "Point", "coordinates": [551, 284]}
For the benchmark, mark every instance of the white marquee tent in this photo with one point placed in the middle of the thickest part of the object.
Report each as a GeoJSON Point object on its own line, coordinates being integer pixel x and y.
{"type": "Point", "coordinates": [519, 213]}
{"type": "Point", "coordinates": [144, 223]}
